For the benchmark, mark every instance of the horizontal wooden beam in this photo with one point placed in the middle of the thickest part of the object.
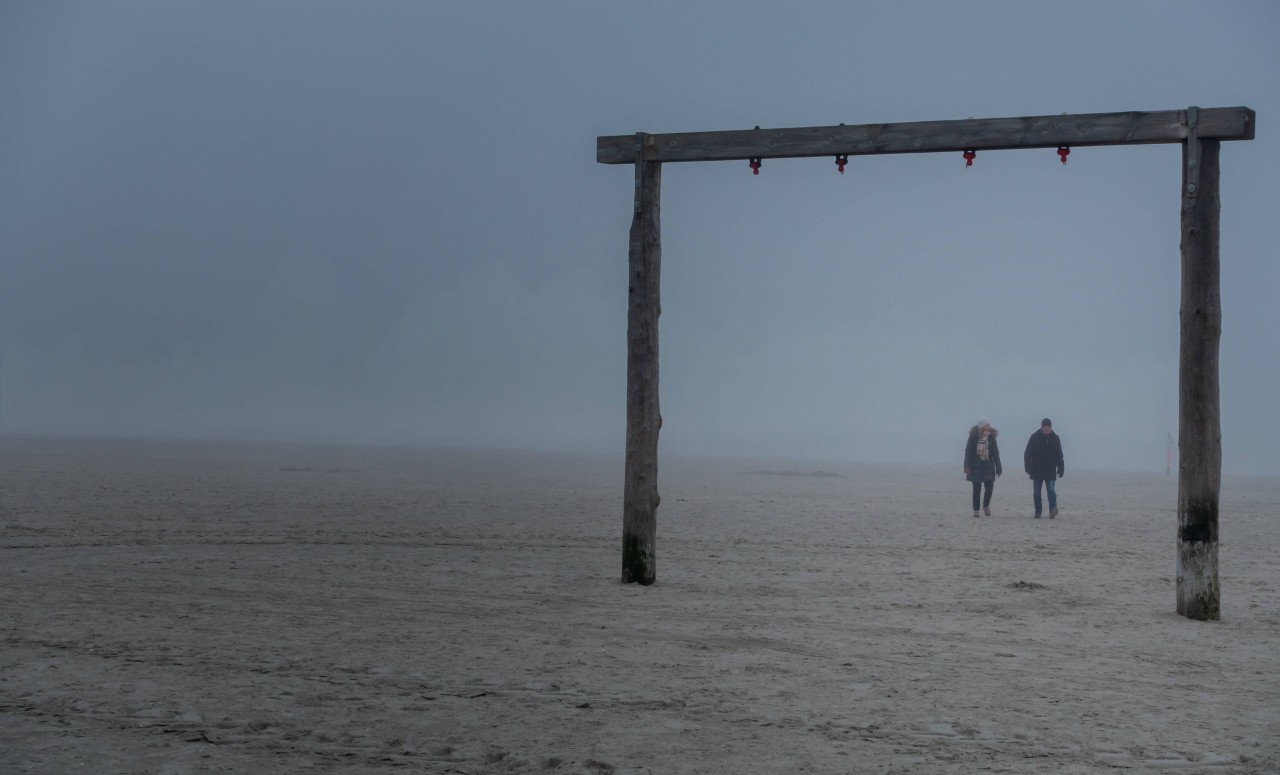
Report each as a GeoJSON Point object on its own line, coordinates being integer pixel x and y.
{"type": "Point", "coordinates": [978, 134]}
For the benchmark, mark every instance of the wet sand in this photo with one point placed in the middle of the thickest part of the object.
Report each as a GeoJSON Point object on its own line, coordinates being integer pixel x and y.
{"type": "Point", "coordinates": [230, 608]}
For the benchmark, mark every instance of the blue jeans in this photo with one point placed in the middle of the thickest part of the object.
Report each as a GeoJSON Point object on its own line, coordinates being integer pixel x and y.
{"type": "Point", "coordinates": [1050, 486]}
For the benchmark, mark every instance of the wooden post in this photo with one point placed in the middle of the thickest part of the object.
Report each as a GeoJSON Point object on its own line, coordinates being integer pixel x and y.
{"type": "Point", "coordinates": [1199, 429]}
{"type": "Point", "coordinates": [1199, 131]}
{"type": "Point", "coordinates": [640, 486]}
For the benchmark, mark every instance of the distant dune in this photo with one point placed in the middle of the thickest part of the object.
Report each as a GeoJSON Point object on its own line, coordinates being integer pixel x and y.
{"type": "Point", "coordinates": [792, 473]}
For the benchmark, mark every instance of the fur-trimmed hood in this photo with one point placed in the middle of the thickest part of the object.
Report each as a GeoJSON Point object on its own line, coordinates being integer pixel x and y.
{"type": "Point", "coordinates": [974, 431]}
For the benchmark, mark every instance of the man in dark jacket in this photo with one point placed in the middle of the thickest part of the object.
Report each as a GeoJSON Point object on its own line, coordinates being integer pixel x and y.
{"type": "Point", "coordinates": [1043, 463]}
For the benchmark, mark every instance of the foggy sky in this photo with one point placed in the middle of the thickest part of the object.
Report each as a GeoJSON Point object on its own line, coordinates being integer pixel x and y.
{"type": "Point", "coordinates": [384, 222]}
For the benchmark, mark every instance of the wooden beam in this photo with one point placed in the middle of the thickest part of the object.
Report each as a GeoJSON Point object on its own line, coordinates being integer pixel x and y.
{"type": "Point", "coordinates": [1199, 427]}
{"type": "Point", "coordinates": [1132, 128]}
{"type": "Point", "coordinates": [640, 480]}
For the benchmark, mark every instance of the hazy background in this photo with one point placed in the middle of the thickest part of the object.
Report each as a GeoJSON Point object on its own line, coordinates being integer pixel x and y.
{"type": "Point", "coordinates": [384, 222]}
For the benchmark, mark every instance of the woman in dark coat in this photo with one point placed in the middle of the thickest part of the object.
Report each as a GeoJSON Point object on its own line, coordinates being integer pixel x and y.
{"type": "Point", "coordinates": [982, 464]}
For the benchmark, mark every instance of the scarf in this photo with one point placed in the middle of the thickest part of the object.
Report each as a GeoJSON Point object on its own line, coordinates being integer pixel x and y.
{"type": "Point", "coordinates": [982, 448]}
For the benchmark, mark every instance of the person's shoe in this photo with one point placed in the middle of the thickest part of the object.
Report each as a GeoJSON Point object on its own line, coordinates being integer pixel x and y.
{"type": "Point", "coordinates": [986, 510]}
{"type": "Point", "coordinates": [1037, 515]}
{"type": "Point", "coordinates": [976, 512]}
{"type": "Point", "coordinates": [1053, 512]}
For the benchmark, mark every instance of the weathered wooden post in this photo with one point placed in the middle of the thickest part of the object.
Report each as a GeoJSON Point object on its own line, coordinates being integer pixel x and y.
{"type": "Point", "coordinates": [1199, 434]}
{"type": "Point", "coordinates": [1199, 428]}
{"type": "Point", "coordinates": [640, 485]}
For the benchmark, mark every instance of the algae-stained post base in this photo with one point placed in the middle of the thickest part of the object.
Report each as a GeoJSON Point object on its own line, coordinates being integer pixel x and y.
{"type": "Point", "coordinates": [640, 487]}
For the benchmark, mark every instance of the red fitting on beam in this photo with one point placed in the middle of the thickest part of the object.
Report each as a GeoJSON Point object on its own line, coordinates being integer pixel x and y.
{"type": "Point", "coordinates": [968, 158]}
{"type": "Point", "coordinates": [841, 160]}
{"type": "Point", "coordinates": [755, 165]}
{"type": "Point", "coordinates": [1063, 152]}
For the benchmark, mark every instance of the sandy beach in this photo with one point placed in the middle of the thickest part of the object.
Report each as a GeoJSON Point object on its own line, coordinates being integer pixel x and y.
{"type": "Point", "coordinates": [182, 607]}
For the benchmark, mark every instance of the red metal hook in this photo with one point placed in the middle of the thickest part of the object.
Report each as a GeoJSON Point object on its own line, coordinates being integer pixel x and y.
{"type": "Point", "coordinates": [1063, 151]}
{"type": "Point", "coordinates": [968, 158]}
{"type": "Point", "coordinates": [755, 165]}
{"type": "Point", "coordinates": [841, 160]}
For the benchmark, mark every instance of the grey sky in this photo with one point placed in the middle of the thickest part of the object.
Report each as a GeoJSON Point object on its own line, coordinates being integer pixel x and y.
{"type": "Point", "coordinates": [384, 222]}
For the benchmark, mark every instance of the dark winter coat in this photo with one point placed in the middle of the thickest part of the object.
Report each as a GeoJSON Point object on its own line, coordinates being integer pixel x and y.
{"type": "Point", "coordinates": [1043, 458]}
{"type": "Point", "coordinates": [982, 470]}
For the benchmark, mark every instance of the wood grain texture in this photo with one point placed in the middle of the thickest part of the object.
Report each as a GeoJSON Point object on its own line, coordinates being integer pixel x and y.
{"type": "Point", "coordinates": [640, 483]}
{"type": "Point", "coordinates": [1131, 128]}
{"type": "Point", "coordinates": [1199, 426]}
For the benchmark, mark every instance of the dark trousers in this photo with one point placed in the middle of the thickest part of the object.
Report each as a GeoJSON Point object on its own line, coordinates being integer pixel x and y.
{"type": "Point", "coordinates": [986, 496]}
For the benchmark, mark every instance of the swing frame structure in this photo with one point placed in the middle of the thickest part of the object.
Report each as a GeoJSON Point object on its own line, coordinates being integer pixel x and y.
{"type": "Point", "coordinates": [1199, 131]}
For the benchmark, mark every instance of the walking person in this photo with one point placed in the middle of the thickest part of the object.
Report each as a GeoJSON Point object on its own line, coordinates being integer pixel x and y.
{"type": "Point", "coordinates": [982, 464]}
{"type": "Point", "coordinates": [1044, 464]}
